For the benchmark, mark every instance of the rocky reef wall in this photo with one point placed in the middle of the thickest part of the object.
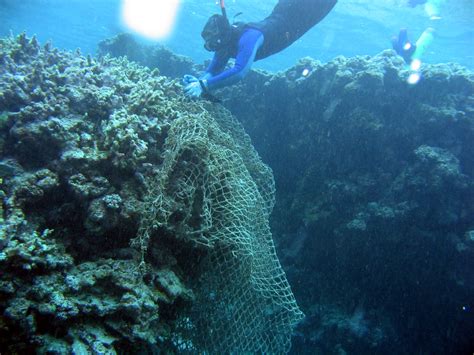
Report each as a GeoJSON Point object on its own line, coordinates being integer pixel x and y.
{"type": "Point", "coordinates": [375, 187]}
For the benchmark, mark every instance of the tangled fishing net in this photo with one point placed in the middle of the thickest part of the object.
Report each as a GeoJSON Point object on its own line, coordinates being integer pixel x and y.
{"type": "Point", "coordinates": [213, 191]}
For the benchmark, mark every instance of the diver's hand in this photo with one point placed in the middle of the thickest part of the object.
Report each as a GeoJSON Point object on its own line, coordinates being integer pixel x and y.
{"type": "Point", "coordinates": [188, 79]}
{"type": "Point", "coordinates": [193, 89]}
{"type": "Point", "coordinates": [196, 88]}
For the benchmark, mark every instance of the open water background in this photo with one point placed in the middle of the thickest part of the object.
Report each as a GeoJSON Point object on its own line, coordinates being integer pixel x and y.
{"type": "Point", "coordinates": [354, 27]}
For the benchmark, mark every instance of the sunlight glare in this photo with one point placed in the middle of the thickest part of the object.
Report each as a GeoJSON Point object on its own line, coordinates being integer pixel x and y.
{"type": "Point", "coordinates": [415, 65]}
{"type": "Point", "coordinates": [153, 19]}
{"type": "Point", "coordinates": [414, 78]}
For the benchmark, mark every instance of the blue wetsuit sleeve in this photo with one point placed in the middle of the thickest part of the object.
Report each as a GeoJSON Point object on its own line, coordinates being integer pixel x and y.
{"type": "Point", "coordinates": [249, 43]}
{"type": "Point", "coordinates": [217, 65]}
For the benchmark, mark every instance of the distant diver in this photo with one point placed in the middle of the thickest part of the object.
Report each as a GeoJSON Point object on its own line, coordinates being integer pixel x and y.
{"type": "Point", "coordinates": [412, 51]}
{"type": "Point", "coordinates": [248, 42]}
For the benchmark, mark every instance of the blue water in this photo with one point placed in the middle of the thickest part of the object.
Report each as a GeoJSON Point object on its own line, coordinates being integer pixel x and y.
{"type": "Point", "coordinates": [354, 27]}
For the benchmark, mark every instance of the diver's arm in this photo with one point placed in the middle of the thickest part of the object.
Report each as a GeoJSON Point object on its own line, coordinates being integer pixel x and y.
{"type": "Point", "coordinates": [249, 43]}
{"type": "Point", "coordinates": [217, 65]}
{"type": "Point", "coordinates": [194, 87]}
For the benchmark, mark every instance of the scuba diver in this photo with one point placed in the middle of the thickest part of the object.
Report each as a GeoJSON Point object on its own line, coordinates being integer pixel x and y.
{"type": "Point", "coordinates": [248, 42]}
{"type": "Point", "coordinates": [403, 46]}
{"type": "Point", "coordinates": [412, 51]}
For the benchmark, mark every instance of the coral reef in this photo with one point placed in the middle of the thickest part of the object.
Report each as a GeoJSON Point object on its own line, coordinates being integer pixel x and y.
{"type": "Point", "coordinates": [99, 153]}
{"type": "Point", "coordinates": [77, 135]}
{"type": "Point", "coordinates": [375, 183]}
{"type": "Point", "coordinates": [156, 56]}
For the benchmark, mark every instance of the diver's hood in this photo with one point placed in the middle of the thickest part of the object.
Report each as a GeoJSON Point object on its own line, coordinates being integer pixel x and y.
{"type": "Point", "coordinates": [216, 33]}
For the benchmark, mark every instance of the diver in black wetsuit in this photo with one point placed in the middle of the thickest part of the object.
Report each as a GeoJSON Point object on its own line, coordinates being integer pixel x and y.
{"type": "Point", "coordinates": [247, 42]}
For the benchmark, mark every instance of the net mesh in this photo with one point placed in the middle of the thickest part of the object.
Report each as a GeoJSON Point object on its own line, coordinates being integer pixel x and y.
{"type": "Point", "coordinates": [213, 191]}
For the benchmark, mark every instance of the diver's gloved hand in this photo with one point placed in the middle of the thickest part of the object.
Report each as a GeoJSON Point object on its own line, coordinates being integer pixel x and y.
{"type": "Point", "coordinates": [188, 79]}
{"type": "Point", "coordinates": [196, 88]}
{"type": "Point", "coordinates": [193, 89]}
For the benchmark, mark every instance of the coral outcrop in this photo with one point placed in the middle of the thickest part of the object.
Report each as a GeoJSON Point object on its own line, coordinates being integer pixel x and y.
{"type": "Point", "coordinates": [152, 56]}
{"type": "Point", "coordinates": [99, 153]}
{"type": "Point", "coordinates": [375, 184]}
{"type": "Point", "coordinates": [77, 135]}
